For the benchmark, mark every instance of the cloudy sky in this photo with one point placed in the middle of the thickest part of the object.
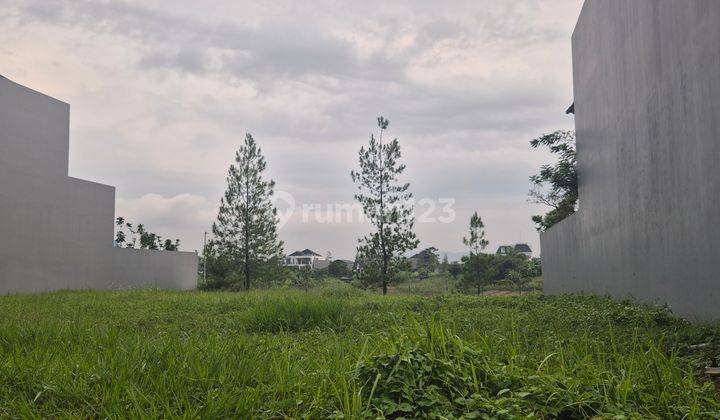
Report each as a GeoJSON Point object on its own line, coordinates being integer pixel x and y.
{"type": "Point", "coordinates": [162, 93]}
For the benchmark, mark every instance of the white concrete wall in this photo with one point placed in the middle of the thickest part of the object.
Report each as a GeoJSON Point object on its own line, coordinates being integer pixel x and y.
{"type": "Point", "coordinates": [134, 268]}
{"type": "Point", "coordinates": [56, 232]}
{"type": "Point", "coordinates": [647, 104]}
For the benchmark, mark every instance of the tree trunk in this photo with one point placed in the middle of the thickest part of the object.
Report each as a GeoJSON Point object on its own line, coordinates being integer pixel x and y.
{"type": "Point", "coordinates": [384, 281]}
{"type": "Point", "coordinates": [477, 274]}
{"type": "Point", "coordinates": [247, 270]}
{"type": "Point", "coordinates": [247, 231]}
{"type": "Point", "coordinates": [382, 219]}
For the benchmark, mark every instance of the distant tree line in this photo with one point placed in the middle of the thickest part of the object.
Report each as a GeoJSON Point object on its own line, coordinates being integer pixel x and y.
{"type": "Point", "coordinates": [245, 251]}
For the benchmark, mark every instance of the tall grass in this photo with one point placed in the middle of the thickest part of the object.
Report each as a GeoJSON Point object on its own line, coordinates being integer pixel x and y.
{"type": "Point", "coordinates": [277, 312]}
{"type": "Point", "coordinates": [338, 352]}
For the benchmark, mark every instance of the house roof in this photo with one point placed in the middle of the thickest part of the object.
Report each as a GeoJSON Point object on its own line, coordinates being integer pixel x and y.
{"type": "Point", "coordinates": [305, 253]}
{"type": "Point", "coordinates": [522, 248]}
{"type": "Point", "coordinates": [504, 249]}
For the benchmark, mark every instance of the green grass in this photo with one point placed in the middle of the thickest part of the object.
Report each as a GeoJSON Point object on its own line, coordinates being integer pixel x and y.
{"type": "Point", "coordinates": [338, 352]}
{"type": "Point", "coordinates": [435, 284]}
{"type": "Point", "coordinates": [440, 283]}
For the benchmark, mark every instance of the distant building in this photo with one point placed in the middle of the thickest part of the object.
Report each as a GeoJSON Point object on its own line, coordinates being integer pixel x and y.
{"type": "Point", "coordinates": [424, 258]}
{"type": "Point", "coordinates": [522, 249]}
{"type": "Point", "coordinates": [305, 258]}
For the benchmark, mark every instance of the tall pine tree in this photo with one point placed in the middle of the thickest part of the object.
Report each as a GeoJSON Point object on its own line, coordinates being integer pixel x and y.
{"type": "Point", "coordinates": [385, 203]}
{"type": "Point", "coordinates": [245, 233]}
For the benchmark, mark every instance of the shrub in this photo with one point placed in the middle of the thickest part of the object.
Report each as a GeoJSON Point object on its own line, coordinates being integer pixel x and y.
{"type": "Point", "coordinates": [434, 374]}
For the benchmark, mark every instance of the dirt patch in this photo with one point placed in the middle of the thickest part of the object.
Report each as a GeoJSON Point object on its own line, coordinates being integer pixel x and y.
{"type": "Point", "coordinates": [501, 293]}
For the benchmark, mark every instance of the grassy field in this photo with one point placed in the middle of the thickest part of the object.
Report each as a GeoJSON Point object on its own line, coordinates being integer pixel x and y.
{"type": "Point", "coordinates": [336, 352]}
{"type": "Point", "coordinates": [439, 284]}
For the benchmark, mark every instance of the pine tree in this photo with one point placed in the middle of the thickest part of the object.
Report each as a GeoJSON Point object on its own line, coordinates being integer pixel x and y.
{"type": "Point", "coordinates": [245, 233]}
{"type": "Point", "coordinates": [476, 240]}
{"type": "Point", "coordinates": [385, 203]}
{"type": "Point", "coordinates": [475, 263]}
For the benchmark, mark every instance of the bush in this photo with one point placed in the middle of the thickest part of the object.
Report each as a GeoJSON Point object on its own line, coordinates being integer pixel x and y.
{"type": "Point", "coordinates": [434, 374]}
{"type": "Point", "coordinates": [339, 268]}
{"type": "Point", "coordinates": [404, 277]}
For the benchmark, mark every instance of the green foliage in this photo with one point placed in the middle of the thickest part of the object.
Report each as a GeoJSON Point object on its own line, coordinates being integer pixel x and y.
{"type": "Point", "coordinates": [320, 273]}
{"type": "Point", "coordinates": [475, 265]}
{"type": "Point", "coordinates": [245, 233]}
{"type": "Point", "coordinates": [499, 271]}
{"type": "Point", "coordinates": [339, 268]}
{"type": "Point", "coordinates": [476, 240]}
{"type": "Point", "coordinates": [338, 289]}
{"type": "Point", "coordinates": [515, 278]}
{"type": "Point", "coordinates": [404, 277]}
{"type": "Point", "coordinates": [522, 271]}
{"type": "Point", "coordinates": [454, 269]}
{"type": "Point", "coordinates": [276, 312]}
{"type": "Point", "coordinates": [338, 352]}
{"type": "Point", "coordinates": [370, 268]}
{"type": "Point", "coordinates": [435, 374]}
{"type": "Point", "coordinates": [385, 203]}
{"type": "Point", "coordinates": [417, 379]}
{"type": "Point", "coordinates": [301, 277]}
{"type": "Point", "coordinates": [428, 260]}
{"type": "Point", "coordinates": [444, 265]}
{"type": "Point", "coordinates": [128, 236]}
{"type": "Point", "coordinates": [533, 267]}
{"type": "Point", "coordinates": [556, 185]}
{"type": "Point", "coordinates": [476, 270]}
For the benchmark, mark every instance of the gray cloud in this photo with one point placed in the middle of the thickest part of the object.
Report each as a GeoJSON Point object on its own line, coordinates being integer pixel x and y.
{"type": "Point", "coordinates": [162, 94]}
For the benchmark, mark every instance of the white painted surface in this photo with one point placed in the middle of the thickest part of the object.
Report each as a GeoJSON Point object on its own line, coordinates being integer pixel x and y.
{"type": "Point", "coordinates": [647, 104]}
{"type": "Point", "coordinates": [56, 232]}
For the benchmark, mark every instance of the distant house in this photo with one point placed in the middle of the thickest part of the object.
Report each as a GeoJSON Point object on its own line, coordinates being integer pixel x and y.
{"type": "Point", "coordinates": [424, 258]}
{"type": "Point", "coordinates": [305, 258]}
{"type": "Point", "coordinates": [522, 249]}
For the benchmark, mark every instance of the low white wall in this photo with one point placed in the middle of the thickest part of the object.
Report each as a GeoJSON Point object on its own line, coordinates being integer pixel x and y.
{"type": "Point", "coordinates": [135, 268]}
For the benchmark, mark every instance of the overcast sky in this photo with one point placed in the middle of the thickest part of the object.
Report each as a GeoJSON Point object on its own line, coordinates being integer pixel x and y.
{"type": "Point", "coordinates": [162, 93]}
